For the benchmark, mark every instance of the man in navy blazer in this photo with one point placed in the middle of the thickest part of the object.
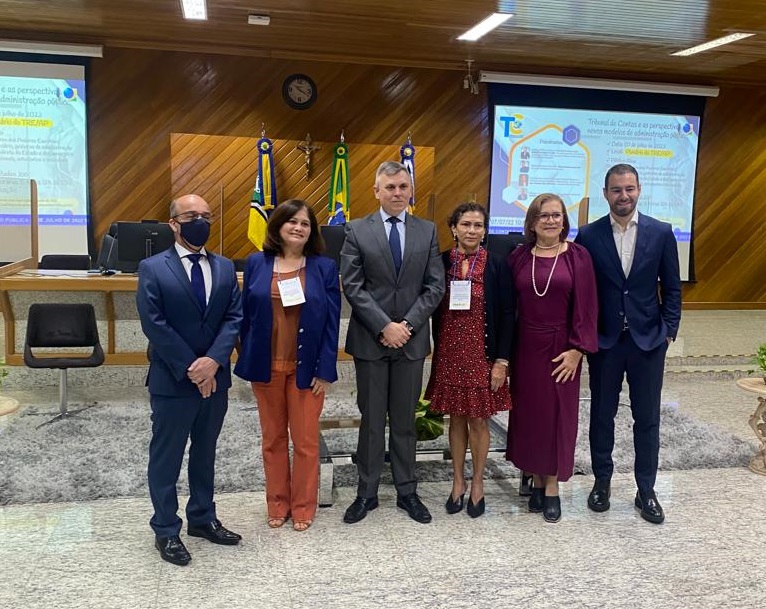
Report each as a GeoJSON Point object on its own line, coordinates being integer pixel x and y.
{"type": "Point", "coordinates": [190, 309]}
{"type": "Point", "coordinates": [636, 323]}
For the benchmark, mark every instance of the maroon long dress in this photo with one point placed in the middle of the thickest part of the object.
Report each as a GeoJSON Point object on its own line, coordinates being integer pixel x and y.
{"type": "Point", "coordinates": [460, 382]}
{"type": "Point", "coordinates": [542, 429]}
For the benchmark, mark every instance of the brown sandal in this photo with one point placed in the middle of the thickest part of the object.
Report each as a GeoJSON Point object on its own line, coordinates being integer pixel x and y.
{"type": "Point", "coordinates": [276, 522]}
{"type": "Point", "coordinates": [302, 525]}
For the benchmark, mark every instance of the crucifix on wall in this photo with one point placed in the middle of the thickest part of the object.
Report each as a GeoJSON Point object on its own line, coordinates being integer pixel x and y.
{"type": "Point", "coordinates": [307, 147]}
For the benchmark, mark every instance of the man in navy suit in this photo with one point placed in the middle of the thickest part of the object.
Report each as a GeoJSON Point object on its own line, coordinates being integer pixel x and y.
{"type": "Point", "coordinates": [190, 308]}
{"type": "Point", "coordinates": [636, 323]}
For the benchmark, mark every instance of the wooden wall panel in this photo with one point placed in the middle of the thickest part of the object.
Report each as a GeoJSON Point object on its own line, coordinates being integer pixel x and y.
{"type": "Point", "coordinates": [139, 98]}
{"type": "Point", "coordinates": [222, 170]}
{"type": "Point", "coordinates": [730, 212]}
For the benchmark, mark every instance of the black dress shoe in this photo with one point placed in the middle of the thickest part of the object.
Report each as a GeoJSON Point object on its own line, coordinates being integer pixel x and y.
{"type": "Point", "coordinates": [453, 507]}
{"type": "Point", "coordinates": [475, 509]}
{"type": "Point", "coordinates": [551, 509]}
{"type": "Point", "coordinates": [525, 486]}
{"type": "Point", "coordinates": [173, 550]}
{"type": "Point", "coordinates": [414, 507]}
{"type": "Point", "coordinates": [358, 510]}
{"type": "Point", "coordinates": [214, 531]}
{"type": "Point", "coordinates": [598, 500]}
{"type": "Point", "coordinates": [536, 500]}
{"type": "Point", "coordinates": [650, 508]}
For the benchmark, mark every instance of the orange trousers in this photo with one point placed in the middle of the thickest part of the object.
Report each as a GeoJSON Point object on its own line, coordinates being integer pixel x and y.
{"type": "Point", "coordinates": [286, 411]}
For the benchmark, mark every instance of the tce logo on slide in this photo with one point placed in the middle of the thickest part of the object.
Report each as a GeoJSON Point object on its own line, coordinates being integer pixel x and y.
{"type": "Point", "coordinates": [512, 124]}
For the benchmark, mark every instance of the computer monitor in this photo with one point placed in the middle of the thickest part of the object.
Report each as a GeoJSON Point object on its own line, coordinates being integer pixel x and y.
{"type": "Point", "coordinates": [502, 245]}
{"type": "Point", "coordinates": [139, 240]}
{"type": "Point", "coordinates": [107, 255]}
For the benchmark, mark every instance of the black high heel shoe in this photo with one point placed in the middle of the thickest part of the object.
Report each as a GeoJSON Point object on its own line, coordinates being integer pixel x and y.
{"type": "Point", "coordinates": [552, 509]}
{"type": "Point", "coordinates": [453, 507]}
{"type": "Point", "coordinates": [535, 504]}
{"type": "Point", "coordinates": [475, 509]}
{"type": "Point", "coordinates": [525, 486]}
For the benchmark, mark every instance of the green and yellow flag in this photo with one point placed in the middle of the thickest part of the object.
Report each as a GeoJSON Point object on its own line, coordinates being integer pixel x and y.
{"type": "Point", "coordinates": [338, 206]}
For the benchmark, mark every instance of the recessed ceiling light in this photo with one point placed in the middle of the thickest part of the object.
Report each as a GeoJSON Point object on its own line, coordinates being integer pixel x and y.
{"type": "Point", "coordinates": [712, 44]}
{"type": "Point", "coordinates": [194, 9]}
{"type": "Point", "coordinates": [489, 24]}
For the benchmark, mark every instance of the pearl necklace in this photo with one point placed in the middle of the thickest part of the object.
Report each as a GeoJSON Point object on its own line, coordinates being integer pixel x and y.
{"type": "Point", "coordinates": [553, 268]}
{"type": "Point", "coordinates": [547, 247]}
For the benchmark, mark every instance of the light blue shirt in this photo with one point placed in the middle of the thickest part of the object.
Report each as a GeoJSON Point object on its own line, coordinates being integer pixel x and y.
{"type": "Point", "coordinates": [399, 226]}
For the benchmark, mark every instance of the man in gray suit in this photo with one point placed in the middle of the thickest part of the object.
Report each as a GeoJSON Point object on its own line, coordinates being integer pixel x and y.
{"type": "Point", "coordinates": [393, 279]}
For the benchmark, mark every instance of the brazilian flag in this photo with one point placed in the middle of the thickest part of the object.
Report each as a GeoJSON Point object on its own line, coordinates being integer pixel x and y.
{"type": "Point", "coordinates": [338, 206]}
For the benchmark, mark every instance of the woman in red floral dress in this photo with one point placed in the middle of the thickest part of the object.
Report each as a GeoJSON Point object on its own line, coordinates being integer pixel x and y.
{"type": "Point", "coordinates": [472, 329]}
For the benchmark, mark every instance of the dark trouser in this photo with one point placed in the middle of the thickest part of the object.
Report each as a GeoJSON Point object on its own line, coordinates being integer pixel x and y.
{"type": "Point", "coordinates": [644, 370]}
{"type": "Point", "coordinates": [174, 420]}
{"type": "Point", "coordinates": [389, 386]}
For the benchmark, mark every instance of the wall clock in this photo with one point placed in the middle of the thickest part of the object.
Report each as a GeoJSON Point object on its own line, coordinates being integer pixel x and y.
{"type": "Point", "coordinates": [299, 91]}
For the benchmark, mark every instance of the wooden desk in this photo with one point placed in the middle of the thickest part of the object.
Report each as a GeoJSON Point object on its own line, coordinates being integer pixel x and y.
{"type": "Point", "coordinates": [113, 298]}
{"type": "Point", "coordinates": [757, 420]}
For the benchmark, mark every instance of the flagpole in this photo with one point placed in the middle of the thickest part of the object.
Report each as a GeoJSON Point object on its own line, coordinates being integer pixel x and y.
{"type": "Point", "coordinates": [220, 222]}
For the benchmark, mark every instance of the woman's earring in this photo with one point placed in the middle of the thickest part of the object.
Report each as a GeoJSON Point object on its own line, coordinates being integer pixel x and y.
{"type": "Point", "coordinates": [454, 236]}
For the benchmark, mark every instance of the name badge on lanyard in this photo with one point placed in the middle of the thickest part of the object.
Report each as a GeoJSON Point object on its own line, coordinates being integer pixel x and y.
{"type": "Point", "coordinates": [460, 295]}
{"type": "Point", "coordinates": [291, 292]}
{"type": "Point", "coordinates": [460, 289]}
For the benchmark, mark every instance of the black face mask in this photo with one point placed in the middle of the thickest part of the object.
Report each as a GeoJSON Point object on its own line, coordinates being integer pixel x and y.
{"type": "Point", "coordinates": [195, 232]}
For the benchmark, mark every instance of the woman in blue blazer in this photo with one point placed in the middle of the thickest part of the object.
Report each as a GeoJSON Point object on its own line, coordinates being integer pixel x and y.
{"type": "Point", "coordinates": [291, 314]}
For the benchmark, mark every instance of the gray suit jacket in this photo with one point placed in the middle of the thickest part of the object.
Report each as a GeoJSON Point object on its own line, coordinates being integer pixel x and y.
{"type": "Point", "coordinates": [377, 296]}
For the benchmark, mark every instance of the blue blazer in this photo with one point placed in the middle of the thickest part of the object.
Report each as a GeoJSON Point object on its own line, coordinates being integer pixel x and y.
{"type": "Point", "coordinates": [179, 331]}
{"type": "Point", "coordinates": [652, 316]}
{"type": "Point", "coordinates": [317, 328]}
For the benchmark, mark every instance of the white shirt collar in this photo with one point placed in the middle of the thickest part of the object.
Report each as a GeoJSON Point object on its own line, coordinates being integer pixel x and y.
{"type": "Point", "coordinates": [182, 251]}
{"type": "Point", "coordinates": [633, 221]}
{"type": "Point", "coordinates": [385, 215]}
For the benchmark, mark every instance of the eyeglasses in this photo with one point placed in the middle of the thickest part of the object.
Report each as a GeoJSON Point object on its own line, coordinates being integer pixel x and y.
{"type": "Point", "coordinates": [556, 216]}
{"type": "Point", "coordinates": [191, 216]}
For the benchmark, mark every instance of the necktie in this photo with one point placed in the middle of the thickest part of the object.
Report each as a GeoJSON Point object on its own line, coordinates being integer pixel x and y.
{"type": "Point", "coordinates": [197, 280]}
{"type": "Point", "coordinates": [395, 243]}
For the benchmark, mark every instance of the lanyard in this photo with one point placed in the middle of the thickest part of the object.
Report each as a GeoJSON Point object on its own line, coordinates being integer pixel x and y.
{"type": "Point", "coordinates": [298, 272]}
{"type": "Point", "coordinates": [455, 274]}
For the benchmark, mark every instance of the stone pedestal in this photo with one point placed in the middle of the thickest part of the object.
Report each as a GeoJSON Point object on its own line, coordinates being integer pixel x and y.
{"type": "Point", "coordinates": [757, 421]}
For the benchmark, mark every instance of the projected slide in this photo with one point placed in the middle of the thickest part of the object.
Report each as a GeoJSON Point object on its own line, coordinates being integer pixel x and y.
{"type": "Point", "coordinates": [567, 152]}
{"type": "Point", "coordinates": [43, 137]}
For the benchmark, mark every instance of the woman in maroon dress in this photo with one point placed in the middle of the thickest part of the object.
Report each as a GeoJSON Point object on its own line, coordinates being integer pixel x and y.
{"type": "Point", "coordinates": [473, 330]}
{"type": "Point", "coordinates": [556, 323]}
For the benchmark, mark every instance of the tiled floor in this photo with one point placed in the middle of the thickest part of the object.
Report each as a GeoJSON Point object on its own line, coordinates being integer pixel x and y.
{"type": "Point", "coordinates": [708, 553]}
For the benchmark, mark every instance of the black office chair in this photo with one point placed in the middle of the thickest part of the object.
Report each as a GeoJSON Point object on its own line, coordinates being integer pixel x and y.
{"type": "Point", "coordinates": [65, 262]}
{"type": "Point", "coordinates": [54, 325]}
{"type": "Point", "coordinates": [502, 245]}
{"type": "Point", "coordinates": [333, 236]}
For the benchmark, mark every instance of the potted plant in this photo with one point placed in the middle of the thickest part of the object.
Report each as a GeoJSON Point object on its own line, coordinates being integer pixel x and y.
{"type": "Point", "coordinates": [428, 425]}
{"type": "Point", "coordinates": [760, 359]}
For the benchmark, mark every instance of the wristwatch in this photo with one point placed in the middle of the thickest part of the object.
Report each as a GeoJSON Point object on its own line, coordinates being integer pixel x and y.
{"type": "Point", "coordinates": [409, 326]}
